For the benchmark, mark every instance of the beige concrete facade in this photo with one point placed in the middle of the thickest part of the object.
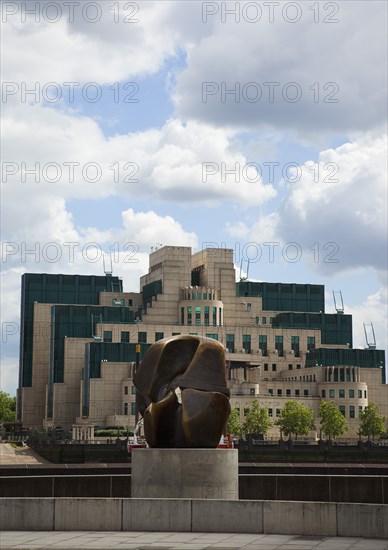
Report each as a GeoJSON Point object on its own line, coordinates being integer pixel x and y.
{"type": "Point", "coordinates": [210, 308]}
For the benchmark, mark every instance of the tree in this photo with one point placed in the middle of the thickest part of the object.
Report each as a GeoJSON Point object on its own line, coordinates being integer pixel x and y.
{"type": "Point", "coordinates": [7, 407]}
{"type": "Point", "coordinates": [372, 422]}
{"type": "Point", "coordinates": [333, 422]}
{"type": "Point", "coordinates": [234, 425]}
{"type": "Point", "coordinates": [295, 418]}
{"type": "Point", "coordinates": [257, 420]}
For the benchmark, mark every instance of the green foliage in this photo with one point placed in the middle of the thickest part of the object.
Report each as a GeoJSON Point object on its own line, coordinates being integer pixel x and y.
{"type": "Point", "coordinates": [257, 420]}
{"type": "Point", "coordinates": [234, 425]}
{"type": "Point", "coordinates": [7, 407]}
{"type": "Point", "coordinates": [372, 422]}
{"type": "Point", "coordinates": [333, 422]}
{"type": "Point", "coordinates": [296, 419]}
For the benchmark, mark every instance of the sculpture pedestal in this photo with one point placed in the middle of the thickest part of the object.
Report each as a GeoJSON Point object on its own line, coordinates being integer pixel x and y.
{"type": "Point", "coordinates": [185, 473]}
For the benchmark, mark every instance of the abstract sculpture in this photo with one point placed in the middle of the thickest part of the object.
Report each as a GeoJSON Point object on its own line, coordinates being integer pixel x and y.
{"type": "Point", "coordinates": [182, 392]}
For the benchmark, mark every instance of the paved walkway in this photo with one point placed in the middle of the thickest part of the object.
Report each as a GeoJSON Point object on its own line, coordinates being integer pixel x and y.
{"type": "Point", "coordinates": [19, 455]}
{"type": "Point", "coordinates": [180, 541]}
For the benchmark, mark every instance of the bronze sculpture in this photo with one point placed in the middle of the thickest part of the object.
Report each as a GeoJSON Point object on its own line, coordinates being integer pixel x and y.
{"type": "Point", "coordinates": [182, 392]}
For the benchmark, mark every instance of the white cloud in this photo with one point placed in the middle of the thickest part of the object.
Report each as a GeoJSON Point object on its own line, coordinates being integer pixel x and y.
{"type": "Point", "coordinates": [341, 199]}
{"type": "Point", "coordinates": [338, 71]}
{"type": "Point", "coordinates": [74, 160]}
{"type": "Point", "coordinates": [75, 49]}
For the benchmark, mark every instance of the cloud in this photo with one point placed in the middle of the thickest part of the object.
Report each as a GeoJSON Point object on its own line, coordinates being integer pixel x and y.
{"type": "Point", "coordinates": [125, 40]}
{"type": "Point", "coordinates": [51, 156]}
{"type": "Point", "coordinates": [326, 78]}
{"type": "Point", "coordinates": [337, 205]}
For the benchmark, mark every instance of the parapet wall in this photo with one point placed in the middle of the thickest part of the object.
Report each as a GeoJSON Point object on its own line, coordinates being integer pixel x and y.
{"type": "Point", "coordinates": [186, 515]}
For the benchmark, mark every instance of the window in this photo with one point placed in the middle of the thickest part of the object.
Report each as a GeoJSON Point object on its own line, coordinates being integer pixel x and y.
{"type": "Point", "coordinates": [214, 315]}
{"type": "Point", "coordinates": [212, 335]}
{"type": "Point", "coordinates": [342, 410]}
{"type": "Point", "coordinates": [247, 343]}
{"type": "Point", "coordinates": [256, 320]}
{"type": "Point", "coordinates": [305, 393]}
{"type": "Point", "coordinates": [126, 409]}
{"type": "Point", "coordinates": [323, 393]}
{"type": "Point", "coordinates": [230, 342]}
{"type": "Point", "coordinates": [310, 342]}
{"type": "Point", "coordinates": [189, 315]}
{"type": "Point", "coordinates": [270, 391]}
{"type": "Point", "coordinates": [124, 336]}
{"type": "Point", "coordinates": [274, 366]}
{"type": "Point", "coordinates": [264, 320]}
{"type": "Point", "coordinates": [159, 336]}
{"type": "Point", "coordinates": [133, 390]}
{"type": "Point", "coordinates": [265, 366]}
{"type": "Point", "coordinates": [249, 307]}
{"type": "Point", "coordinates": [252, 391]}
{"type": "Point", "coordinates": [364, 394]}
{"type": "Point", "coordinates": [359, 410]}
{"type": "Point", "coordinates": [279, 345]}
{"type": "Point", "coordinates": [352, 413]}
{"type": "Point", "coordinates": [176, 334]}
{"type": "Point", "coordinates": [220, 316]}
{"type": "Point", "coordinates": [279, 392]}
{"type": "Point", "coordinates": [107, 336]}
{"type": "Point", "coordinates": [197, 315]}
{"type": "Point", "coordinates": [277, 412]}
{"type": "Point", "coordinates": [133, 409]}
{"type": "Point", "coordinates": [270, 412]}
{"type": "Point", "coordinates": [142, 338]}
{"type": "Point", "coordinates": [359, 393]}
{"type": "Point", "coordinates": [288, 393]}
{"type": "Point", "coordinates": [295, 345]}
{"type": "Point", "coordinates": [270, 320]}
{"type": "Point", "coordinates": [289, 366]}
{"type": "Point", "coordinates": [297, 393]}
{"type": "Point", "coordinates": [246, 410]}
{"type": "Point", "coordinates": [263, 343]}
{"type": "Point", "coordinates": [351, 395]}
{"type": "Point", "coordinates": [206, 316]}
{"type": "Point", "coordinates": [130, 303]}
{"type": "Point", "coordinates": [125, 390]}
{"type": "Point", "coordinates": [341, 394]}
{"type": "Point", "coordinates": [332, 394]}
{"type": "Point", "coordinates": [298, 366]}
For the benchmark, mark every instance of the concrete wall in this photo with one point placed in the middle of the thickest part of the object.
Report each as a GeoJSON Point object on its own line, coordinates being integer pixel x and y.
{"type": "Point", "coordinates": [185, 473]}
{"type": "Point", "coordinates": [327, 488]}
{"type": "Point", "coordinates": [280, 517]}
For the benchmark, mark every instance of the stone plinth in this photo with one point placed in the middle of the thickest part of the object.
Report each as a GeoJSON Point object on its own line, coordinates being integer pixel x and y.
{"type": "Point", "coordinates": [185, 473]}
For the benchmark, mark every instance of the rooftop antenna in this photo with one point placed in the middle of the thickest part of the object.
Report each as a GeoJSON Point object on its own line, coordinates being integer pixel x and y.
{"type": "Point", "coordinates": [338, 301]}
{"type": "Point", "coordinates": [107, 270]}
{"type": "Point", "coordinates": [241, 268]}
{"type": "Point", "coordinates": [370, 337]}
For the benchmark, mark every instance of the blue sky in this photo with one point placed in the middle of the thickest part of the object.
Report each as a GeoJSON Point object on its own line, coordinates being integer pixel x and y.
{"type": "Point", "coordinates": [166, 132]}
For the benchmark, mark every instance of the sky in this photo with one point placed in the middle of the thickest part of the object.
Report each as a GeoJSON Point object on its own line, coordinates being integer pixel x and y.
{"type": "Point", "coordinates": [256, 126]}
